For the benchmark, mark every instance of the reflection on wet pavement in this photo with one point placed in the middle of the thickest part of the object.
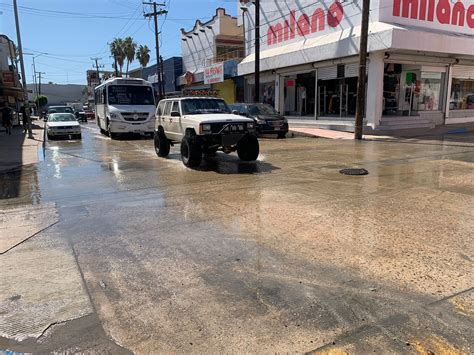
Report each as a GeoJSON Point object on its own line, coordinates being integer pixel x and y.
{"type": "Point", "coordinates": [280, 255]}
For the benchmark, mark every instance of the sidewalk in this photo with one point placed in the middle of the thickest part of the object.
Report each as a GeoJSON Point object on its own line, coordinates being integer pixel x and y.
{"type": "Point", "coordinates": [17, 150]}
{"type": "Point", "coordinates": [309, 131]}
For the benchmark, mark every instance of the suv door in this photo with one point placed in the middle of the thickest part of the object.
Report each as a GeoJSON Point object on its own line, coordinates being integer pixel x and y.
{"type": "Point", "coordinates": [159, 115]}
{"type": "Point", "coordinates": [167, 120]}
{"type": "Point", "coordinates": [176, 120]}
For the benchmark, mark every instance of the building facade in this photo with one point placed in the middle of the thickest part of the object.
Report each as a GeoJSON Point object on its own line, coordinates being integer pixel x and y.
{"type": "Point", "coordinates": [11, 90]}
{"type": "Point", "coordinates": [420, 69]}
{"type": "Point", "coordinates": [172, 70]}
{"type": "Point", "coordinates": [211, 52]}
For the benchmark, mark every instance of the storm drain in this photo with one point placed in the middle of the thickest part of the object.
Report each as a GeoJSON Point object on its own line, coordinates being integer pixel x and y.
{"type": "Point", "coordinates": [354, 171]}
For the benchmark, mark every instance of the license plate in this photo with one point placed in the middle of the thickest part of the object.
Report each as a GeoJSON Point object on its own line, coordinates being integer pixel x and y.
{"type": "Point", "coordinates": [276, 128]}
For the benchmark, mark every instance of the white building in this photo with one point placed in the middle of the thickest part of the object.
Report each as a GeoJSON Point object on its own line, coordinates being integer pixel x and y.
{"type": "Point", "coordinates": [211, 52]}
{"type": "Point", "coordinates": [420, 69]}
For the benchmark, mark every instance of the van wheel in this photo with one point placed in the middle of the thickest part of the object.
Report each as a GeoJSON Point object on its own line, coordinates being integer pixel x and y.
{"type": "Point", "coordinates": [248, 148]}
{"type": "Point", "coordinates": [162, 144]}
{"type": "Point", "coordinates": [111, 134]}
{"type": "Point", "coordinates": [191, 153]}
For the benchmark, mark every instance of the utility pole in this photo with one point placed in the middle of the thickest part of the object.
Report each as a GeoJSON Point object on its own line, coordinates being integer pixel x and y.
{"type": "Point", "coordinates": [257, 52]}
{"type": "Point", "coordinates": [97, 66]}
{"type": "Point", "coordinates": [361, 85]}
{"type": "Point", "coordinates": [39, 82]}
{"type": "Point", "coordinates": [155, 14]}
{"type": "Point", "coordinates": [22, 63]}
{"type": "Point", "coordinates": [34, 75]}
{"type": "Point", "coordinates": [162, 79]}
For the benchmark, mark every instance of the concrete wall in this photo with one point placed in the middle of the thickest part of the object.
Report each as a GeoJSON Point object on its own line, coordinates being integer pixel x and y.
{"type": "Point", "coordinates": [60, 94]}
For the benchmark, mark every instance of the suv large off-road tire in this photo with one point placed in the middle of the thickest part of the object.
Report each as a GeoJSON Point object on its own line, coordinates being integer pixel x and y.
{"type": "Point", "coordinates": [162, 144]}
{"type": "Point", "coordinates": [248, 148]}
{"type": "Point", "coordinates": [191, 152]}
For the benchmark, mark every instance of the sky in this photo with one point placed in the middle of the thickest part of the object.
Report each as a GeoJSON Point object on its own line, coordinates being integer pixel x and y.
{"type": "Point", "coordinates": [71, 32]}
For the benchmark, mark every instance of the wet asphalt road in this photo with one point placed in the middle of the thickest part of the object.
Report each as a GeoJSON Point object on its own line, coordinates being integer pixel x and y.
{"type": "Point", "coordinates": [280, 255]}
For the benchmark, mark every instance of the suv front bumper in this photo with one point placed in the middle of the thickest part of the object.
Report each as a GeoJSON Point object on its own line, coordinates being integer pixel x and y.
{"type": "Point", "coordinates": [223, 140]}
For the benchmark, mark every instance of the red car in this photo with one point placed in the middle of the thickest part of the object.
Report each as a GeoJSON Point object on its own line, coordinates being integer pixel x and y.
{"type": "Point", "coordinates": [90, 115]}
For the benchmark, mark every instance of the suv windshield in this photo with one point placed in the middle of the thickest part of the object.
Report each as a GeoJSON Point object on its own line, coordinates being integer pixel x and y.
{"type": "Point", "coordinates": [60, 109]}
{"type": "Point", "coordinates": [130, 95]}
{"type": "Point", "coordinates": [61, 117]}
{"type": "Point", "coordinates": [198, 106]}
{"type": "Point", "coordinates": [262, 110]}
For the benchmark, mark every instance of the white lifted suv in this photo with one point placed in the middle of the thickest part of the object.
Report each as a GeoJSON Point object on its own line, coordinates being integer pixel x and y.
{"type": "Point", "coordinates": [203, 125]}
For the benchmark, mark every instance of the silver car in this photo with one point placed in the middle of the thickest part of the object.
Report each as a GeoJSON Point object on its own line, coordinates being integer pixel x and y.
{"type": "Point", "coordinates": [63, 125]}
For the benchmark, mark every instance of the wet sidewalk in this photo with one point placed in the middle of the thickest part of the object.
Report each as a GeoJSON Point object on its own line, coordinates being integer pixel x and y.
{"type": "Point", "coordinates": [17, 150]}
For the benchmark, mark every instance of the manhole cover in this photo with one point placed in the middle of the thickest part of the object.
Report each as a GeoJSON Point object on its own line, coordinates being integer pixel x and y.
{"type": "Point", "coordinates": [353, 171]}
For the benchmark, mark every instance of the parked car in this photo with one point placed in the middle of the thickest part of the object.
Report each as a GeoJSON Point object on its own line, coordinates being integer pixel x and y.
{"type": "Point", "coordinates": [203, 125]}
{"type": "Point", "coordinates": [90, 115]}
{"type": "Point", "coordinates": [80, 116]}
{"type": "Point", "coordinates": [63, 125]}
{"type": "Point", "coordinates": [58, 109]}
{"type": "Point", "coordinates": [266, 118]}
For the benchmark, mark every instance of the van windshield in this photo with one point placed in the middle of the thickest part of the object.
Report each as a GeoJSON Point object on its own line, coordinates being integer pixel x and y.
{"type": "Point", "coordinates": [130, 95]}
{"type": "Point", "coordinates": [198, 106]}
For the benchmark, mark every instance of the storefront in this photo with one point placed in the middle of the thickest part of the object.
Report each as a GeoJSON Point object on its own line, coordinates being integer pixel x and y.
{"type": "Point", "coordinates": [420, 70]}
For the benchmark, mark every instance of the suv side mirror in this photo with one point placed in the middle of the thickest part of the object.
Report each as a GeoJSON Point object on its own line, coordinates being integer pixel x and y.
{"type": "Point", "coordinates": [175, 114]}
{"type": "Point", "coordinates": [235, 112]}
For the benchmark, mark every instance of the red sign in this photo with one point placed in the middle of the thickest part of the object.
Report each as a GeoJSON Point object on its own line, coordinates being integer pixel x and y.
{"type": "Point", "coordinates": [7, 78]}
{"type": "Point", "coordinates": [214, 74]}
{"type": "Point", "coordinates": [441, 11]}
{"type": "Point", "coordinates": [305, 25]}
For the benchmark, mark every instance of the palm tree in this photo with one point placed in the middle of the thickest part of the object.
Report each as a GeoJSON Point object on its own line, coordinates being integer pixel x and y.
{"type": "Point", "coordinates": [129, 48]}
{"type": "Point", "coordinates": [143, 55]}
{"type": "Point", "coordinates": [117, 51]}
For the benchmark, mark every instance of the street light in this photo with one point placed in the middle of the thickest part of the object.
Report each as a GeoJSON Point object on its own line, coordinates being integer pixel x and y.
{"type": "Point", "coordinates": [34, 67]}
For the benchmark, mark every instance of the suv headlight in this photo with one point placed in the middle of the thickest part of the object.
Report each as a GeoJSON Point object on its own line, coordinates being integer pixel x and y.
{"type": "Point", "coordinates": [205, 128]}
{"type": "Point", "coordinates": [250, 125]}
{"type": "Point", "coordinates": [259, 121]}
{"type": "Point", "coordinates": [114, 115]}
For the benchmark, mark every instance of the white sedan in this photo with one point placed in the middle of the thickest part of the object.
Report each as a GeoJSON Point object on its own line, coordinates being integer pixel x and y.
{"type": "Point", "coordinates": [63, 125]}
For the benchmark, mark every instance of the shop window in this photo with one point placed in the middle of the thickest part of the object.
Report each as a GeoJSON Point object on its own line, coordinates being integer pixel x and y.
{"type": "Point", "coordinates": [409, 89]}
{"type": "Point", "coordinates": [338, 97]}
{"type": "Point", "coordinates": [462, 95]}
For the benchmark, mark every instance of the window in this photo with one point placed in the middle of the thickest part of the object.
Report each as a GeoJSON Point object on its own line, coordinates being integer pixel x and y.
{"type": "Point", "coordinates": [130, 95]}
{"type": "Point", "coordinates": [243, 110]}
{"type": "Point", "coordinates": [160, 108]}
{"type": "Point", "coordinates": [199, 106]}
{"type": "Point", "coordinates": [167, 108]}
{"type": "Point", "coordinates": [175, 107]}
{"type": "Point", "coordinates": [410, 89]}
{"type": "Point", "coordinates": [462, 95]}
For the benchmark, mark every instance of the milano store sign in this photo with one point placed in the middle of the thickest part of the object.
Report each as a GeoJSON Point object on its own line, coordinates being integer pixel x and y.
{"type": "Point", "coordinates": [443, 15]}
{"type": "Point", "coordinates": [300, 20]}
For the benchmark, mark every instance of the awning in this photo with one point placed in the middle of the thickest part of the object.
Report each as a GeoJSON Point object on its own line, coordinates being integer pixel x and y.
{"type": "Point", "coordinates": [12, 91]}
{"type": "Point", "coordinates": [345, 43]}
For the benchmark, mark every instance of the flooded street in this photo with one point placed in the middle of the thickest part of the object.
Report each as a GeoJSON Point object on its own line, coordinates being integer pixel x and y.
{"type": "Point", "coordinates": [131, 252]}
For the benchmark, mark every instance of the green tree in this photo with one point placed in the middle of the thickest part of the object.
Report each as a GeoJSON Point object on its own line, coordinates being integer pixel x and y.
{"type": "Point", "coordinates": [143, 55]}
{"type": "Point", "coordinates": [117, 51]}
{"type": "Point", "coordinates": [41, 101]}
{"type": "Point", "coordinates": [129, 48]}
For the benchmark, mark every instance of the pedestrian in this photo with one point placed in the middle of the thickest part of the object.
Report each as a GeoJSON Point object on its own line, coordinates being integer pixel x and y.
{"type": "Point", "coordinates": [7, 118]}
{"type": "Point", "coordinates": [24, 117]}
